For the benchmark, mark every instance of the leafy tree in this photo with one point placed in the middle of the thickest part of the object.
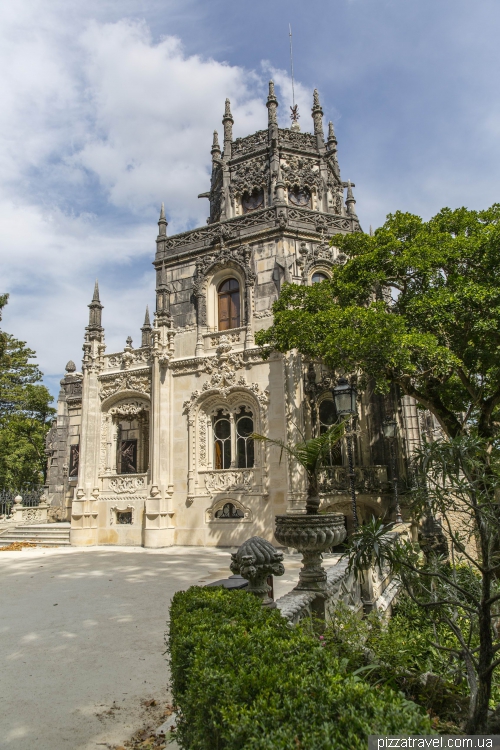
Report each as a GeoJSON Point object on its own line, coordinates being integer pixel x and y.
{"type": "Point", "coordinates": [417, 306]}
{"type": "Point", "coordinates": [313, 455]}
{"type": "Point", "coordinates": [25, 414]}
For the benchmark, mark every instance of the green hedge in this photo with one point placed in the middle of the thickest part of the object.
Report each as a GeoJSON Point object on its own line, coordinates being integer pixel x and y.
{"type": "Point", "coordinates": [243, 679]}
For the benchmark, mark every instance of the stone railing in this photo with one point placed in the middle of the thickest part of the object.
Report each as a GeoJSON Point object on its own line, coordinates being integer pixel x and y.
{"type": "Point", "coordinates": [368, 479]}
{"type": "Point", "coordinates": [375, 589]}
{"type": "Point", "coordinates": [22, 515]}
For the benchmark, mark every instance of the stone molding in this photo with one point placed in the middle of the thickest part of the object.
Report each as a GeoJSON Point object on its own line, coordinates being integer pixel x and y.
{"type": "Point", "coordinates": [135, 380]}
{"type": "Point", "coordinates": [228, 480]}
{"type": "Point", "coordinates": [127, 484]}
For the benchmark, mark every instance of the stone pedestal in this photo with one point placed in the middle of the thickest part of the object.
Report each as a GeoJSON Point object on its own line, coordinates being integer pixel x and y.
{"type": "Point", "coordinates": [311, 535]}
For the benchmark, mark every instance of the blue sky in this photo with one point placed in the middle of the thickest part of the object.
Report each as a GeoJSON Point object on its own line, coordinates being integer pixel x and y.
{"type": "Point", "coordinates": [108, 109]}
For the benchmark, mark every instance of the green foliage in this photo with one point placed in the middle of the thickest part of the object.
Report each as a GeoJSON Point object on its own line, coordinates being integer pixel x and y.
{"type": "Point", "coordinates": [312, 455]}
{"type": "Point", "coordinates": [25, 414]}
{"type": "Point", "coordinates": [243, 679]}
{"type": "Point", "coordinates": [439, 335]}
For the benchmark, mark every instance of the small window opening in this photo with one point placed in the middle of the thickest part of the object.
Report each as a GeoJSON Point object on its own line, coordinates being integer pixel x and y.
{"type": "Point", "coordinates": [124, 516]}
{"type": "Point", "coordinates": [229, 511]}
{"type": "Point", "coordinates": [317, 278]}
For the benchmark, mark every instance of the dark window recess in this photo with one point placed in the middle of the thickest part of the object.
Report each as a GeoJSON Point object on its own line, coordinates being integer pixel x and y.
{"type": "Point", "coordinates": [128, 456]}
{"type": "Point", "coordinates": [328, 417]}
{"type": "Point", "coordinates": [244, 443]}
{"type": "Point", "coordinates": [300, 197]}
{"type": "Point", "coordinates": [222, 441]}
{"type": "Point", "coordinates": [318, 277]}
{"type": "Point", "coordinates": [229, 305]}
{"type": "Point", "coordinates": [74, 459]}
{"type": "Point", "coordinates": [229, 511]}
{"type": "Point", "coordinates": [123, 516]}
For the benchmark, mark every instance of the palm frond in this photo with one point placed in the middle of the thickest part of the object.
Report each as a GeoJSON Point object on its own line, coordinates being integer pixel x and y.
{"type": "Point", "coordinates": [311, 453]}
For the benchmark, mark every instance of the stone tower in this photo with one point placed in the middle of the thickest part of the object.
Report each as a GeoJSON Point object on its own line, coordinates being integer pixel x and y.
{"type": "Point", "coordinates": [162, 430]}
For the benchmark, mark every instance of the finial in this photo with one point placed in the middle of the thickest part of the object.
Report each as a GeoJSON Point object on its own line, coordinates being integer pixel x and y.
{"type": "Point", "coordinates": [317, 115]}
{"type": "Point", "coordinates": [95, 312]}
{"type": "Point", "coordinates": [70, 367]}
{"type": "Point", "coordinates": [95, 298]}
{"type": "Point", "coordinates": [350, 201]}
{"type": "Point", "coordinates": [147, 322]}
{"type": "Point", "coordinates": [371, 231]}
{"type": "Point", "coordinates": [129, 342]}
{"type": "Point", "coordinates": [272, 105]}
{"type": "Point", "coordinates": [215, 144]}
{"type": "Point", "coordinates": [227, 112]}
{"type": "Point", "coordinates": [332, 139]}
{"type": "Point", "coordinates": [162, 222]}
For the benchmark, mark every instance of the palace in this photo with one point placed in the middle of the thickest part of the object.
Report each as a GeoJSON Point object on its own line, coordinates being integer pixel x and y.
{"type": "Point", "coordinates": [151, 445]}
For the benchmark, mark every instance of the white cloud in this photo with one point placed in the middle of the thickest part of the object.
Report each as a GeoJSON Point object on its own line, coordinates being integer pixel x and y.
{"type": "Point", "coordinates": [94, 139]}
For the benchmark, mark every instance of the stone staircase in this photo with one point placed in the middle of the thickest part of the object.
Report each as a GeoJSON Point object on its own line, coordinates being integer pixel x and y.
{"type": "Point", "coordinates": [41, 534]}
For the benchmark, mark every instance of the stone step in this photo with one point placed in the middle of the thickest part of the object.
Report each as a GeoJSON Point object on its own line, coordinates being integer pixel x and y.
{"type": "Point", "coordinates": [40, 534]}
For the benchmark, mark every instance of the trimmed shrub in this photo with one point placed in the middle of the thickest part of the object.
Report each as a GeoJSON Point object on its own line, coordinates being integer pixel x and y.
{"type": "Point", "coordinates": [243, 679]}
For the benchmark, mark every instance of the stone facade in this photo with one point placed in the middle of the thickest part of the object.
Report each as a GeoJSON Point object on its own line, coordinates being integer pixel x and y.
{"type": "Point", "coordinates": [135, 455]}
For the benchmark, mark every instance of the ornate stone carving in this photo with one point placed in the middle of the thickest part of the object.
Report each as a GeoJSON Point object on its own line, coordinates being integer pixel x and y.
{"type": "Point", "coordinates": [129, 409]}
{"type": "Point", "coordinates": [127, 357]}
{"type": "Point", "coordinates": [244, 514]}
{"type": "Point", "coordinates": [127, 485]}
{"type": "Point", "coordinates": [263, 314]}
{"type": "Point", "coordinates": [302, 172]}
{"type": "Point", "coordinates": [229, 481]}
{"type": "Point", "coordinates": [255, 560]}
{"type": "Point", "coordinates": [124, 382]}
{"type": "Point", "coordinates": [315, 255]}
{"type": "Point", "coordinates": [251, 143]}
{"type": "Point", "coordinates": [298, 140]}
{"type": "Point", "coordinates": [249, 175]}
{"type": "Point", "coordinates": [223, 367]}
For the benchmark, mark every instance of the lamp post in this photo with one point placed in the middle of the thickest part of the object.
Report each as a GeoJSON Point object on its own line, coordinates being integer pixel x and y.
{"type": "Point", "coordinates": [344, 396]}
{"type": "Point", "coordinates": [389, 428]}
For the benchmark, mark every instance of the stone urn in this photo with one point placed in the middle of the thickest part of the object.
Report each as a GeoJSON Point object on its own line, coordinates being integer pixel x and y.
{"type": "Point", "coordinates": [311, 535]}
{"type": "Point", "coordinates": [255, 560]}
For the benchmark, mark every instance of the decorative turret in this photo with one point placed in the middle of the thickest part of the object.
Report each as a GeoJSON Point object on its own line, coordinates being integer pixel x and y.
{"type": "Point", "coordinates": [162, 222]}
{"type": "Point", "coordinates": [227, 121]}
{"type": "Point", "coordinates": [215, 147]}
{"type": "Point", "coordinates": [94, 327]}
{"type": "Point", "coordinates": [350, 202]}
{"type": "Point", "coordinates": [146, 330]}
{"type": "Point", "coordinates": [317, 115]}
{"type": "Point", "coordinates": [272, 106]}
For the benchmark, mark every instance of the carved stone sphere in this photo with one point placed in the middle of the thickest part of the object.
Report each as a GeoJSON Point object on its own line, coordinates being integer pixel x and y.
{"type": "Point", "coordinates": [70, 367]}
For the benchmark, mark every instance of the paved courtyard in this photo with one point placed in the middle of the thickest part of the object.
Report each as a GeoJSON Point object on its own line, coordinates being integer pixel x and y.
{"type": "Point", "coordinates": [82, 639]}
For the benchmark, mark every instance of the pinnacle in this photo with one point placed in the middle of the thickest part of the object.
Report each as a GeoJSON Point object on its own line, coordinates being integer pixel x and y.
{"type": "Point", "coordinates": [227, 111]}
{"type": "Point", "coordinates": [95, 298]}
{"type": "Point", "coordinates": [216, 139]}
{"type": "Point", "coordinates": [316, 99]}
{"type": "Point", "coordinates": [162, 212]}
{"type": "Point", "coordinates": [147, 321]}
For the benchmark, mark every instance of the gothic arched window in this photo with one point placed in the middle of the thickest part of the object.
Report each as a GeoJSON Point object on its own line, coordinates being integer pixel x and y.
{"type": "Point", "coordinates": [222, 441]}
{"type": "Point", "coordinates": [229, 304]}
{"type": "Point", "coordinates": [244, 443]}
{"type": "Point", "coordinates": [318, 277]}
{"type": "Point", "coordinates": [232, 441]}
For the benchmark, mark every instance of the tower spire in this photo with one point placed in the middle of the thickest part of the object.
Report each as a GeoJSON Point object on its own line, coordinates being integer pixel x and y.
{"type": "Point", "coordinates": [332, 139]}
{"type": "Point", "coordinates": [146, 329]}
{"type": "Point", "coordinates": [227, 122]}
{"type": "Point", "coordinates": [94, 327]}
{"type": "Point", "coordinates": [162, 222]}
